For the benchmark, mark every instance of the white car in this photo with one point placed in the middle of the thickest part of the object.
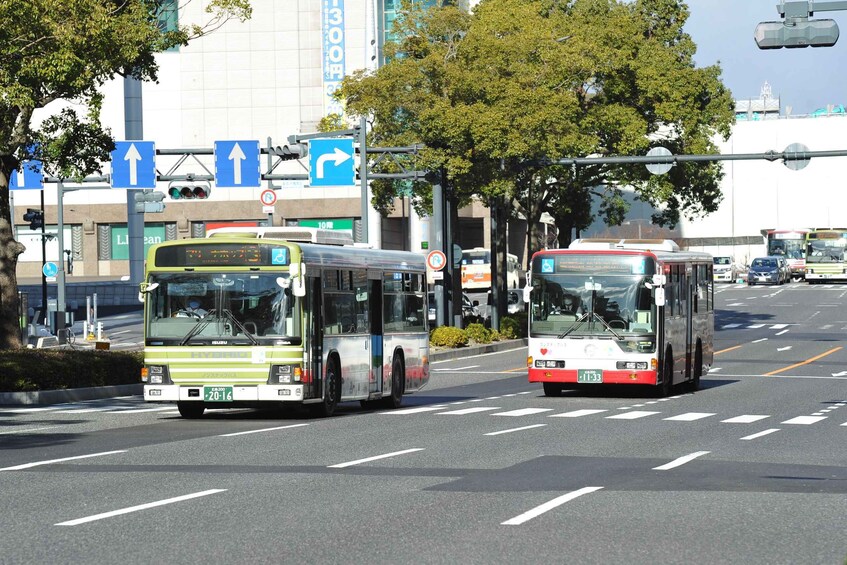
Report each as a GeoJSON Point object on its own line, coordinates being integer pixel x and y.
{"type": "Point", "coordinates": [724, 269]}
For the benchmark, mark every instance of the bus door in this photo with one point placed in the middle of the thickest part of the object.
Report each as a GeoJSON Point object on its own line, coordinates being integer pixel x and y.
{"type": "Point", "coordinates": [376, 331]}
{"type": "Point", "coordinates": [688, 285]}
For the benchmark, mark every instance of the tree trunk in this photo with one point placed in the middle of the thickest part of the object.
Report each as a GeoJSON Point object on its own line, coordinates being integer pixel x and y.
{"type": "Point", "coordinates": [10, 324]}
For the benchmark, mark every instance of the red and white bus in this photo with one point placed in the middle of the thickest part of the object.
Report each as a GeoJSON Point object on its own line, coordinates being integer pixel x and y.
{"type": "Point", "coordinates": [637, 312]}
{"type": "Point", "coordinates": [790, 244]}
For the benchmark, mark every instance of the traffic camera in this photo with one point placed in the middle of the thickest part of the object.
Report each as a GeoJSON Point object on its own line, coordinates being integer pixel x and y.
{"type": "Point", "coordinates": [183, 190]}
{"type": "Point", "coordinates": [35, 217]}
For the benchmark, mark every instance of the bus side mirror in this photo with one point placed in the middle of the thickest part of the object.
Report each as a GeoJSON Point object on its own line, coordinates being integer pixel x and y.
{"type": "Point", "coordinates": [145, 288]}
{"type": "Point", "coordinates": [298, 279]}
{"type": "Point", "coordinates": [526, 292]}
{"type": "Point", "coordinates": [660, 297]}
{"type": "Point", "coordinates": [660, 280]}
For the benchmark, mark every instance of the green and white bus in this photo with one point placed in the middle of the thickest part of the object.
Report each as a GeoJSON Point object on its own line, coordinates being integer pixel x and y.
{"type": "Point", "coordinates": [233, 322]}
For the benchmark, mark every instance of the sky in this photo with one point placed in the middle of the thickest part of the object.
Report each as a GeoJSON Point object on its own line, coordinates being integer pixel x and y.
{"type": "Point", "coordinates": [805, 79]}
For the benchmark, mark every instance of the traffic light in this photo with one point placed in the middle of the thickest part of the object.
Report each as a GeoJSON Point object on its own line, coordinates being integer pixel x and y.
{"type": "Point", "coordinates": [149, 202]}
{"type": "Point", "coordinates": [189, 190]}
{"type": "Point", "coordinates": [796, 33]}
{"type": "Point", "coordinates": [35, 217]}
{"type": "Point", "coordinates": [289, 152]}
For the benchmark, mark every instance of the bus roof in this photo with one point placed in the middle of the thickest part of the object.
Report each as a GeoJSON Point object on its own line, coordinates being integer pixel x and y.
{"type": "Point", "coordinates": [639, 244]}
{"type": "Point", "coordinates": [288, 233]}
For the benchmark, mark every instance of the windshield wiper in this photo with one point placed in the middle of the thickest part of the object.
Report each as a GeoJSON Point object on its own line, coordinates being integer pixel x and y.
{"type": "Point", "coordinates": [585, 317]}
{"type": "Point", "coordinates": [231, 317]}
{"type": "Point", "coordinates": [198, 327]}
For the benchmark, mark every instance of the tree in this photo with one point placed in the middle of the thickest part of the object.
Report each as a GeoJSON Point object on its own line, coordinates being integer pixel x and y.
{"type": "Point", "coordinates": [54, 53]}
{"type": "Point", "coordinates": [499, 96]}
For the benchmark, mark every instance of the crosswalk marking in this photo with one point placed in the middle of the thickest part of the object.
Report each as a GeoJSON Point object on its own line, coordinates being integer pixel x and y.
{"type": "Point", "coordinates": [415, 410]}
{"type": "Point", "coordinates": [577, 413]}
{"type": "Point", "coordinates": [760, 434]}
{"type": "Point", "coordinates": [523, 412]}
{"type": "Point", "coordinates": [804, 420]}
{"type": "Point", "coordinates": [465, 411]}
{"type": "Point", "coordinates": [690, 416]}
{"type": "Point", "coordinates": [745, 419]}
{"type": "Point", "coordinates": [634, 415]}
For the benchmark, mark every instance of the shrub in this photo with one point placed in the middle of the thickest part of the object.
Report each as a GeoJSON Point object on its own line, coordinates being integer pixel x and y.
{"type": "Point", "coordinates": [495, 335]}
{"type": "Point", "coordinates": [448, 336]}
{"type": "Point", "coordinates": [41, 369]}
{"type": "Point", "coordinates": [478, 333]}
{"type": "Point", "coordinates": [514, 326]}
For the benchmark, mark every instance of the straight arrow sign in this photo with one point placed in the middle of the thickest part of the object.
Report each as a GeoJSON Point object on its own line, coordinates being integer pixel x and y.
{"type": "Point", "coordinates": [236, 156]}
{"type": "Point", "coordinates": [133, 156]}
{"type": "Point", "coordinates": [237, 163]}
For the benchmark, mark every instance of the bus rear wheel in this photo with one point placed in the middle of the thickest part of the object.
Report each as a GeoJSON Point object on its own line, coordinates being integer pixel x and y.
{"type": "Point", "coordinates": [694, 384]}
{"type": "Point", "coordinates": [190, 409]}
{"type": "Point", "coordinates": [398, 377]}
{"type": "Point", "coordinates": [552, 389]}
{"type": "Point", "coordinates": [332, 391]}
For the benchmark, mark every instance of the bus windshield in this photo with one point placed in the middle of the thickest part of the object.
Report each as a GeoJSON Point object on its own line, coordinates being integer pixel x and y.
{"type": "Point", "coordinates": [826, 250]}
{"type": "Point", "coordinates": [579, 304]}
{"type": "Point", "coordinates": [208, 308]}
{"type": "Point", "coordinates": [788, 248]}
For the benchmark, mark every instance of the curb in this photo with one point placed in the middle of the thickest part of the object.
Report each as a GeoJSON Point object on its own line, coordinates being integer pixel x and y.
{"type": "Point", "coordinates": [68, 395]}
{"type": "Point", "coordinates": [462, 352]}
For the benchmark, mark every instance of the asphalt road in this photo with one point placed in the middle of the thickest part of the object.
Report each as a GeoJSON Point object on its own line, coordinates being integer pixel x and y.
{"type": "Point", "coordinates": [479, 468]}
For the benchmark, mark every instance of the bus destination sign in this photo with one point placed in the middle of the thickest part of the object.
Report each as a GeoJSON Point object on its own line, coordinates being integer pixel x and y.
{"type": "Point", "coordinates": [609, 264]}
{"type": "Point", "coordinates": [223, 255]}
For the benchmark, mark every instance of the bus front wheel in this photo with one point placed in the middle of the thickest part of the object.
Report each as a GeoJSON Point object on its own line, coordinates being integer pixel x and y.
{"type": "Point", "coordinates": [398, 377]}
{"type": "Point", "coordinates": [552, 389]}
{"type": "Point", "coordinates": [666, 387]}
{"type": "Point", "coordinates": [190, 409]}
{"type": "Point", "coordinates": [332, 391]}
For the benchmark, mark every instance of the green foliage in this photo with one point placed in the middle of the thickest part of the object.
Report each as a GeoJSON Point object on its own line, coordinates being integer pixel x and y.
{"type": "Point", "coordinates": [448, 336]}
{"type": "Point", "coordinates": [514, 326]}
{"type": "Point", "coordinates": [478, 333]}
{"type": "Point", "coordinates": [40, 369]}
{"type": "Point", "coordinates": [495, 335]}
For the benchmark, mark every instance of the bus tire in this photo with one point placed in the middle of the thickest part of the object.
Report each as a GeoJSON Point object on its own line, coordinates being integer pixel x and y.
{"type": "Point", "coordinates": [398, 377]}
{"type": "Point", "coordinates": [332, 391]}
{"type": "Point", "coordinates": [552, 389]}
{"type": "Point", "coordinates": [666, 386]}
{"type": "Point", "coordinates": [694, 383]}
{"type": "Point", "coordinates": [190, 409]}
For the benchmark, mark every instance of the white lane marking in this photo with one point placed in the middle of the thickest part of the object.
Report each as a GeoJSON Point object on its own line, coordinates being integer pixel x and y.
{"type": "Point", "coordinates": [786, 348]}
{"type": "Point", "coordinates": [141, 410]}
{"type": "Point", "coordinates": [84, 410]}
{"type": "Point", "coordinates": [779, 326]}
{"type": "Point", "coordinates": [418, 410]}
{"type": "Point", "coordinates": [760, 434]}
{"type": "Point", "coordinates": [263, 430]}
{"type": "Point", "coordinates": [804, 420]}
{"type": "Point", "coordinates": [819, 413]}
{"type": "Point", "coordinates": [547, 506]}
{"type": "Point", "coordinates": [509, 395]}
{"type": "Point", "coordinates": [730, 326]}
{"type": "Point", "coordinates": [79, 521]}
{"type": "Point", "coordinates": [374, 458]}
{"type": "Point", "coordinates": [523, 412]}
{"type": "Point", "coordinates": [112, 334]}
{"type": "Point", "coordinates": [680, 461]}
{"type": "Point", "coordinates": [825, 326]}
{"type": "Point", "coordinates": [782, 332]}
{"type": "Point", "coordinates": [527, 392]}
{"type": "Point", "coordinates": [27, 410]}
{"type": "Point", "coordinates": [715, 369]}
{"type": "Point", "coordinates": [576, 413]}
{"type": "Point", "coordinates": [632, 415]}
{"type": "Point", "coordinates": [475, 400]}
{"type": "Point", "coordinates": [844, 424]}
{"type": "Point", "coordinates": [756, 326]}
{"type": "Point", "coordinates": [492, 398]}
{"type": "Point", "coordinates": [457, 368]}
{"type": "Point", "coordinates": [745, 419]}
{"type": "Point", "coordinates": [689, 416]}
{"type": "Point", "coordinates": [515, 430]}
{"type": "Point", "coordinates": [759, 340]}
{"type": "Point", "coordinates": [28, 430]}
{"type": "Point", "coordinates": [51, 461]}
{"type": "Point", "coordinates": [473, 410]}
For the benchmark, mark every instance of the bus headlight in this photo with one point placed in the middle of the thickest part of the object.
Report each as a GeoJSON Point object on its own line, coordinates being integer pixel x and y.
{"type": "Point", "coordinates": [549, 364]}
{"type": "Point", "coordinates": [158, 375]}
{"type": "Point", "coordinates": [285, 374]}
{"type": "Point", "coordinates": [632, 365]}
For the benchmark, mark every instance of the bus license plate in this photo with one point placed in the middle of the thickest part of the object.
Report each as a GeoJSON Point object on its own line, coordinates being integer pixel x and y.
{"type": "Point", "coordinates": [217, 394]}
{"type": "Point", "coordinates": [589, 376]}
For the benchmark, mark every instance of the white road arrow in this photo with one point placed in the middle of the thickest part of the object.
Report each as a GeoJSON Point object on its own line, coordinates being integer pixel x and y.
{"type": "Point", "coordinates": [338, 156]}
{"type": "Point", "coordinates": [841, 374]}
{"type": "Point", "coordinates": [133, 156]}
{"type": "Point", "coordinates": [236, 156]}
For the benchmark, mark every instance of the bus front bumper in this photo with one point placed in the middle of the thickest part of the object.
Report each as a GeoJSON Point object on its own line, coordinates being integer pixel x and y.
{"type": "Point", "coordinates": [195, 393]}
{"type": "Point", "coordinates": [609, 377]}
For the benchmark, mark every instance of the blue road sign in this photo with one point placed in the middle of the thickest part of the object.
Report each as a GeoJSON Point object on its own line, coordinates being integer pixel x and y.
{"type": "Point", "coordinates": [134, 164]}
{"type": "Point", "coordinates": [28, 178]}
{"type": "Point", "coordinates": [331, 162]}
{"type": "Point", "coordinates": [237, 164]}
{"type": "Point", "coordinates": [50, 269]}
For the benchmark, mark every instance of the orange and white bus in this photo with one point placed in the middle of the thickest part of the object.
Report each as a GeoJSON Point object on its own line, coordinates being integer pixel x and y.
{"type": "Point", "coordinates": [476, 269]}
{"type": "Point", "coordinates": [790, 244]}
{"type": "Point", "coordinates": [637, 312]}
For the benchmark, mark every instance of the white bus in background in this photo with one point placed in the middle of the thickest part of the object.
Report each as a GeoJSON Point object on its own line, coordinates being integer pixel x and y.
{"type": "Point", "coordinates": [476, 269]}
{"type": "Point", "coordinates": [627, 312]}
{"type": "Point", "coordinates": [288, 233]}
